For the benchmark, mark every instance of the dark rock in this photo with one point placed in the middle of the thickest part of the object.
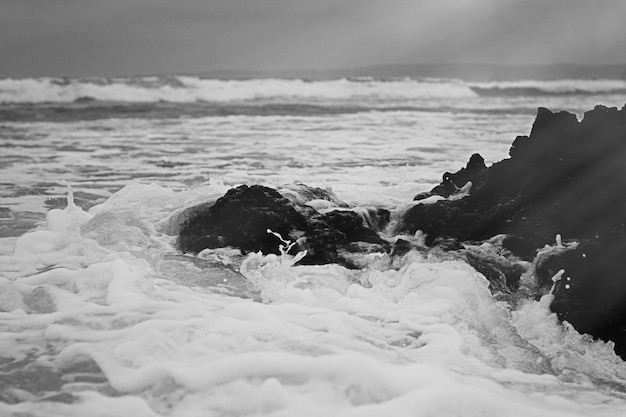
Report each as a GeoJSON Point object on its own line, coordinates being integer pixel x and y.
{"type": "Point", "coordinates": [448, 244]}
{"type": "Point", "coordinates": [452, 183]}
{"type": "Point", "coordinates": [372, 217]}
{"type": "Point", "coordinates": [380, 219]}
{"type": "Point", "coordinates": [519, 247]}
{"type": "Point", "coordinates": [503, 275]}
{"type": "Point", "coordinates": [545, 187]}
{"type": "Point", "coordinates": [547, 266]}
{"type": "Point", "coordinates": [441, 219]}
{"type": "Point", "coordinates": [401, 247]}
{"type": "Point", "coordinates": [567, 177]}
{"type": "Point", "coordinates": [351, 225]}
{"type": "Point", "coordinates": [591, 294]}
{"type": "Point", "coordinates": [423, 195]}
{"type": "Point", "coordinates": [242, 217]}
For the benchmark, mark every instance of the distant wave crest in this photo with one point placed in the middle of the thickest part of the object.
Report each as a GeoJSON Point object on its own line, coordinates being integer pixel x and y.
{"type": "Point", "coordinates": [550, 88]}
{"type": "Point", "coordinates": [187, 89]}
{"type": "Point", "coordinates": [361, 91]}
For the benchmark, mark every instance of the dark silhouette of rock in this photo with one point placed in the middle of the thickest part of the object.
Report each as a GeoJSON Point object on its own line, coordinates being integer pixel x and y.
{"type": "Point", "coordinates": [401, 247]}
{"type": "Point", "coordinates": [376, 218]}
{"type": "Point", "coordinates": [591, 294]}
{"type": "Point", "coordinates": [558, 180]}
{"type": "Point", "coordinates": [503, 275]}
{"type": "Point", "coordinates": [242, 217]}
{"type": "Point", "coordinates": [452, 183]}
{"type": "Point", "coordinates": [567, 177]}
{"type": "Point", "coordinates": [519, 247]}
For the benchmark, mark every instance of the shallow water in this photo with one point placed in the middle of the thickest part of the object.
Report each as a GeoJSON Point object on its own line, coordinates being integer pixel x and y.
{"type": "Point", "coordinates": [101, 315]}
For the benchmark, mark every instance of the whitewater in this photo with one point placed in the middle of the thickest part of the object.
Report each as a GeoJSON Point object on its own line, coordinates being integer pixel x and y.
{"type": "Point", "coordinates": [102, 315]}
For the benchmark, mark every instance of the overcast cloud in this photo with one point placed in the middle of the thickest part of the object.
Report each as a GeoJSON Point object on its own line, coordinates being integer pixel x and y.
{"type": "Point", "coordinates": [114, 37]}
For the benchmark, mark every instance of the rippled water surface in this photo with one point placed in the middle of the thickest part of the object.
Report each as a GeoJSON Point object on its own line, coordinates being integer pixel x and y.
{"type": "Point", "coordinates": [365, 155]}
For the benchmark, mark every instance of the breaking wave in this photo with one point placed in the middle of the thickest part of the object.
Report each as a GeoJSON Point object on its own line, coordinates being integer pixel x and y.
{"type": "Point", "coordinates": [186, 89]}
{"type": "Point", "coordinates": [550, 88]}
{"type": "Point", "coordinates": [101, 316]}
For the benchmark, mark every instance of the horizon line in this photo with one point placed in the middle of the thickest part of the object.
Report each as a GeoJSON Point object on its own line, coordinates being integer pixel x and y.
{"type": "Point", "coordinates": [395, 70]}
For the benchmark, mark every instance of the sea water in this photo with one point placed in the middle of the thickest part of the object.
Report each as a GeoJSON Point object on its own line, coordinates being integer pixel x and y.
{"type": "Point", "coordinates": [101, 315]}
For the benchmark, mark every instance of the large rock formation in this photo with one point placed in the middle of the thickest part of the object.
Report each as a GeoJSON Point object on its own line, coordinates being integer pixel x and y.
{"type": "Point", "coordinates": [242, 217]}
{"type": "Point", "coordinates": [566, 177]}
{"type": "Point", "coordinates": [569, 178]}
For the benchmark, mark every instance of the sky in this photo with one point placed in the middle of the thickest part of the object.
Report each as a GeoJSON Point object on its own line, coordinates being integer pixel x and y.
{"type": "Point", "coordinates": [132, 37]}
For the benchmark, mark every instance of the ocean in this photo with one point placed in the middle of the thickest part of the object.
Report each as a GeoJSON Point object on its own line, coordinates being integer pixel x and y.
{"type": "Point", "coordinates": [101, 315]}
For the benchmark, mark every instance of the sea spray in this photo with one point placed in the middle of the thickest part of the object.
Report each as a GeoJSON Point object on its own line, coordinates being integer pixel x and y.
{"type": "Point", "coordinates": [286, 246]}
{"type": "Point", "coordinates": [426, 336]}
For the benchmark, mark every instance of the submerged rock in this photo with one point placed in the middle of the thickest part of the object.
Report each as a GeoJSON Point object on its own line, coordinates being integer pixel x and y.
{"type": "Point", "coordinates": [502, 274]}
{"type": "Point", "coordinates": [242, 217]}
{"type": "Point", "coordinates": [567, 177]}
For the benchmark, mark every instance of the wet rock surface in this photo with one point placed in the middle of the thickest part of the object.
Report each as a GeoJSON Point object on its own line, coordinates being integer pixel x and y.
{"type": "Point", "coordinates": [567, 177]}
{"type": "Point", "coordinates": [591, 294]}
{"type": "Point", "coordinates": [242, 217]}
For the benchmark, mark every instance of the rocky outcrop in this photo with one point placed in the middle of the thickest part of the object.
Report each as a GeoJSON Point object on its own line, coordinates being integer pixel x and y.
{"type": "Point", "coordinates": [474, 172]}
{"type": "Point", "coordinates": [567, 177]}
{"type": "Point", "coordinates": [242, 217]}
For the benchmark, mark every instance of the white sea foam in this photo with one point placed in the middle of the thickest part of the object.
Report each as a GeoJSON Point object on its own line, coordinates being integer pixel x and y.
{"type": "Point", "coordinates": [194, 89]}
{"type": "Point", "coordinates": [562, 86]}
{"type": "Point", "coordinates": [188, 89]}
{"type": "Point", "coordinates": [98, 314]}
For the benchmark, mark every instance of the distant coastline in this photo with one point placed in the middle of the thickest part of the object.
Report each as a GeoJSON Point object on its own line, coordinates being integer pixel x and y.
{"type": "Point", "coordinates": [467, 72]}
